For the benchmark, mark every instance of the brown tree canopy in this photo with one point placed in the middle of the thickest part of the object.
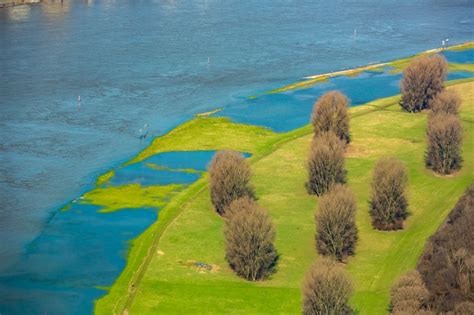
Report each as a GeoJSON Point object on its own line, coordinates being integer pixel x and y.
{"type": "Point", "coordinates": [326, 289]}
{"type": "Point", "coordinates": [447, 101]}
{"type": "Point", "coordinates": [409, 295]}
{"type": "Point", "coordinates": [325, 163]}
{"type": "Point", "coordinates": [330, 114]}
{"type": "Point", "coordinates": [464, 308]}
{"type": "Point", "coordinates": [229, 179]}
{"type": "Point", "coordinates": [249, 237]}
{"type": "Point", "coordinates": [444, 134]}
{"type": "Point", "coordinates": [244, 204]}
{"type": "Point", "coordinates": [447, 263]}
{"type": "Point", "coordinates": [388, 206]}
{"type": "Point", "coordinates": [336, 231]}
{"type": "Point", "coordinates": [422, 80]}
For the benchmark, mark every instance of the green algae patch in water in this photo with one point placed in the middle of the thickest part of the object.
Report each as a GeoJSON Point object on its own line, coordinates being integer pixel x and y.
{"type": "Point", "coordinates": [465, 46]}
{"type": "Point", "coordinates": [113, 198]}
{"type": "Point", "coordinates": [209, 113]}
{"type": "Point", "coordinates": [179, 170]}
{"type": "Point", "coordinates": [298, 85]}
{"type": "Point", "coordinates": [105, 178]}
{"type": "Point", "coordinates": [400, 64]}
{"type": "Point", "coordinates": [466, 67]}
{"type": "Point", "coordinates": [66, 207]}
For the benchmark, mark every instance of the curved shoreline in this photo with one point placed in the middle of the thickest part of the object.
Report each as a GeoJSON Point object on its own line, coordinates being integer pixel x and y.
{"type": "Point", "coordinates": [467, 45]}
{"type": "Point", "coordinates": [311, 80]}
{"type": "Point", "coordinates": [145, 245]}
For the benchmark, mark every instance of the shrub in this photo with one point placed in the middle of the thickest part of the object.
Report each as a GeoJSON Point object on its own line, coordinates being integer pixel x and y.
{"type": "Point", "coordinates": [330, 114]}
{"type": "Point", "coordinates": [464, 308]}
{"type": "Point", "coordinates": [326, 289]}
{"type": "Point", "coordinates": [447, 262]}
{"type": "Point", "coordinates": [444, 143]}
{"type": "Point", "coordinates": [422, 80]}
{"type": "Point", "coordinates": [447, 101]}
{"type": "Point", "coordinates": [336, 232]}
{"type": "Point", "coordinates": [249, 237]}
{"type": "Point", "coordinates": [229, 179]}
{"type": "Point", "coordinates": [409, 295]}
{"type": "Point", "coordinates": [325, 163]}
{"type": "Point", "coordinates": [388, 207]}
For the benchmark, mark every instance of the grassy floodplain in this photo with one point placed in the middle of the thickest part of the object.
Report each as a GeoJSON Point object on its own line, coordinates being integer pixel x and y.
{"type": "Point", "coordinates": [160, 275]}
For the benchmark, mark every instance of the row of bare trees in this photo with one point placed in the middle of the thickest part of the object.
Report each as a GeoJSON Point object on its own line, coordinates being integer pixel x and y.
{"type": "Point", "coordinates": [249, 232]}
{"type": "Point", "coordinates": [444, 134]}
{"type": "Point", "coordinates": [422, 88]}
{"type": "Point", "coordinates": [327, 287]}
{"type": "Point", "coordinates": [443, 282]}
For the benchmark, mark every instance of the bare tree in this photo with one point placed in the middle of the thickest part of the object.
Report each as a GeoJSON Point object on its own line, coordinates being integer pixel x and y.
{"type": "Point", "coordinates": [409, 295]}
{"type": "Point", "coordinates": [325, 163]}
{"type": "Point", "coordinates": [422, 80]}
{"type": "Point", "coordinates": [444, 143]}
{"type": "Point", "coordinates": [249, 237]}
{"type": "Point", "coordinates": [244, 204]}
{"type": "Point", "coordinates": [229, 179]}
{"type": "Point", "coordinates": [464, 308]}
{"type": "Point", "coordinates": [326, 289]}
{"type": "Point", "coordinates": [447, 101]}
{"type": "Point", "coordinates": [330, 114]}
{"type": "Point", "coordinates": [336, 231]}
{"type": "Point", "coordinates": [388, 206]}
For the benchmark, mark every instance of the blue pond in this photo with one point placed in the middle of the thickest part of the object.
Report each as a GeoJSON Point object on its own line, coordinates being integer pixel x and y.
{"type": "Point", "coordinates": [197, 160]}
{"type": "Point", "coordinates": [177, 166]}
{"type": "Point", "coordinates": [78, 250]}
{"type": "Point", "coordinates": [144, 175]}
{"type": "Point", "coordinates": [459, 56]}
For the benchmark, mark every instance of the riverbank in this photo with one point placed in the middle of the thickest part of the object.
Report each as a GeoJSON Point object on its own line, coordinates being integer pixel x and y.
{"type": "Point", "coordinates": [160, 273]}
{"type": "Point", "coordinates": [12, 3]}
{"type": "Point", "coordinates": [396, 65]}
{"type": "Point", "coordinates": [211, 133]}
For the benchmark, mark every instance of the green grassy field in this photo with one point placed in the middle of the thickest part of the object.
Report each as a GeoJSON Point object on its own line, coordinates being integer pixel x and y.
{"type": "Point", "coordinates": [160, 275]}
